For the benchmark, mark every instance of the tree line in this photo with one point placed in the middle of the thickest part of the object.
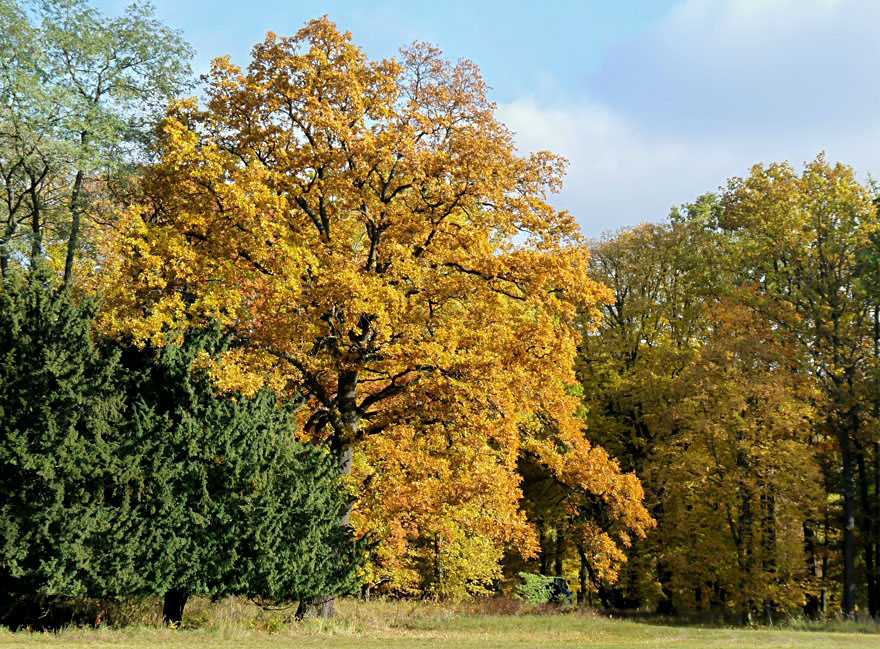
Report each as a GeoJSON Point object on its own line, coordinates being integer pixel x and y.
{"type": "Point", "coordinates": [735, 371]}
{"type": "Point", "coordinates": [329, 299]}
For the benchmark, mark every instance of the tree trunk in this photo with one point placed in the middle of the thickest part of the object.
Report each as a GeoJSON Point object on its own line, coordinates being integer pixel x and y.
{"type": "Point", "coordinates": [811, 608]}
{"type": "Point", "coordinates": [321, 607]}
{"type": "Point", "coordinates": [73, 241]}
{"type": "Point", "coordinates": [743, 537]}
{"type": "Point", "coordinates": [823, 594]}
{"type": "Point", "coordinates": [867, 527]}
{"type": "Point", "coordinates": [559, 555]}
{"type": "Point", "coordinates": [582, 577]}
{"type": "Point", "coordinates": [543, 540]}
{"type": "Point", "coordinates": [172, 607]}
{"type": "Point", "coordinates": [664, 576]}
{"type": "Point", "coordinates": [36, 228]}
{"type": "Point", "coordinates": [849, 524]}
{"type": "Point", "coordinates": [875, 522]}
{"type": "Point", "coordinates": [768, 506]}
{"type": "Point", "coordinates": [874, 528]}
{"type": "Point", "coordinates": [603, 592]}
{"type": "Point", "coordinates": [8, 231]}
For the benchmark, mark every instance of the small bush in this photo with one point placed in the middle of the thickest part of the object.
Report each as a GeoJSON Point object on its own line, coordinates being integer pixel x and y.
{"type": "Point", "coordinates": [535, 589]}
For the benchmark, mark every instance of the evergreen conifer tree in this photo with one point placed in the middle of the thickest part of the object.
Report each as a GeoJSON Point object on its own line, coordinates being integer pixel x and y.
{"type": "Point", "coordinates": [229, 502]}
{"type": "Point", "coordinates": [59, 406]}
{"type": "Point", "coordinates": [182, 490]}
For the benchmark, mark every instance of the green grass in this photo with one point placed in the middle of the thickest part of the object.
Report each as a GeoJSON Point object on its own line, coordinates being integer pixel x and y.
{"type": "Point", "coordinates": [397, 624]}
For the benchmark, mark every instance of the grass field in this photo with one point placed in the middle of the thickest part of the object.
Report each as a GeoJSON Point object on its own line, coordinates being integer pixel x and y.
{"type": "Point", "coordinates": [401, 625]}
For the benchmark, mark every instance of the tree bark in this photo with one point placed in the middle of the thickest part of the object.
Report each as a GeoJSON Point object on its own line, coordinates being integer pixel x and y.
{"type": "Point", "coordinates": [583, 588]}
{"type": "Point", "coordinates": [664, 576]}
{"type": "Point", "coordinates": [322, 607]}
{"type": "Point", "coordinates": [543, 541]}
{"type": "Point", "coordinates": [867, 527]}
{"type": "Point", "coordinates": [823, 594]}
{"type": "Point", "coordinates": [8, 231]}
{"type": "Point", "coordinates": [172, 607]}
{"type": "Point", "coordinates": [73, 241]}
{"type": "Point", "coordinates": [36, 228]}
{"type": "Point", "coordinates": [875, 522]}
{"type": "Point", "coordinates": [603, 592]}
{"type": "Point", "coordinates": [743, 536]}
{"type": "Point", "coordinates": [769, 565]}
{"type": "Point", "coordinates": [812, 607]}
{"type": "Point", "coordinates": [849, 524]}
{"type": "Point", "coordinates": [746, 556]}
{"type": "Point", "coordinates": [559, 555]}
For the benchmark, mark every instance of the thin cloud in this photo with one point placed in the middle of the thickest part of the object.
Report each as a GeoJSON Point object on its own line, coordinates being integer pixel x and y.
{"type": "Point", "coordinates": [750, 66]}
{"type": "Point", "coordinates": [617, 175]}
{"type": "Point", "coordinates": [711, 89]}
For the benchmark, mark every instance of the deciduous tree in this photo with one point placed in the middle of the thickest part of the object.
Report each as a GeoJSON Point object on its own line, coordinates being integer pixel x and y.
{"type": "Point", "coordinates": [802, 239]}
{"type": "Point", "coordinates": [741, 475]}
{"type": "Point", "coordinates": [368, 234]}
{"type": "Point", "coordinates": [661, 278]}
{"type": "Point", "coordinates": [81, 93]}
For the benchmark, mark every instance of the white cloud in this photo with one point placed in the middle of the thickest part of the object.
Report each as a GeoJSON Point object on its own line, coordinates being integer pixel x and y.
{"type": "Point", "coordinates": [710, 90]}
{"type": "Point", "coordinates": [621, 175]}
{"type": "Point", "coordinates": [617, 175]}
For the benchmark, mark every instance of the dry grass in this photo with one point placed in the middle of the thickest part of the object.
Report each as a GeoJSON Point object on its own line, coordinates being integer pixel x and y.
{"type": "Point", "coordinates": [237, 623]}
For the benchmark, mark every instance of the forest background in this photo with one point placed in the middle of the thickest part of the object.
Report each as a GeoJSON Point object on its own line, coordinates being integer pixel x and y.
{"type": "Point", "coordinates": [679, 416]}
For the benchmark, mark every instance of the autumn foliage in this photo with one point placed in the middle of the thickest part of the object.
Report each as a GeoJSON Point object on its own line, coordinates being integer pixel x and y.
{"type": "Point", "coordinates": [735, 371]}
{"type": "Point", "coordinates": [371, 238]}
{"type": "Point", "coordinates": [679, 417]}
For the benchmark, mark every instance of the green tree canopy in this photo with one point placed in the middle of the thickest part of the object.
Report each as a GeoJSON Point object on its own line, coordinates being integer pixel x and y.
{"type": "Point", "coordinates": [149, 481]}
{"type": "Point", "coordinates": [80, 94]}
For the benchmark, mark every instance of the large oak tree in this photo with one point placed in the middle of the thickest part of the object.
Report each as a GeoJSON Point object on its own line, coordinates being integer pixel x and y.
{"type": "Point", "coordinates": [369, 234]}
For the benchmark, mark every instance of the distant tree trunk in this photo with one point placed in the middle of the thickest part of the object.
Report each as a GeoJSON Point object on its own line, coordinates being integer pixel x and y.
{"type": "Point", "coordinates": [768, 507]}
{"type": "Point", "coordinates": [545, 554]}
{"type": "Point", "coordinates": [867, 526]}
{"type": "Point", "coordinates": [743, 536]}
{"type": "Point", "coordinates": [559, 555]}
{"type": "Point", "coordinates": [36, 227]}
{"type": "Point", "coordinates": [325, 607]}
{"type": "Point", "coordinates": [603, 592]}
{"type": "Point", "coordinates": [8, 231]}
{"type": "Point", "coordinates": [172, 607]}
{"type": "Point", "coordinates": [874, 531]}
{"type": "Point", "coordinates": [849, 522]}
{"type": "Point", "coordinates": [664, 576]}
{"type": "Point", "coordinates": [583, 578]}
{"type": "Point", "coordinates": [811, 608]}
{"type": "Point", "coordinates": [875, 523]}
{"type": "Point", "coordinates": [823, 594]}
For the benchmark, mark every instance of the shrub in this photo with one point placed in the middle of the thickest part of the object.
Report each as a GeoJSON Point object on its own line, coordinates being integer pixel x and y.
{"type": "Point", "coordinates": [535, 589]}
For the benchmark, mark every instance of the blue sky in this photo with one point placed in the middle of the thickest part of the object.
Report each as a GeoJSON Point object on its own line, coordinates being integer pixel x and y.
{"type": "Point", "coordinates": [652, 101]}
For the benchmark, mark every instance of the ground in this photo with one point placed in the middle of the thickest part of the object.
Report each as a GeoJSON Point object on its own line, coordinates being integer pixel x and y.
{"type": "Point", "coordinates": [391, 625]}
